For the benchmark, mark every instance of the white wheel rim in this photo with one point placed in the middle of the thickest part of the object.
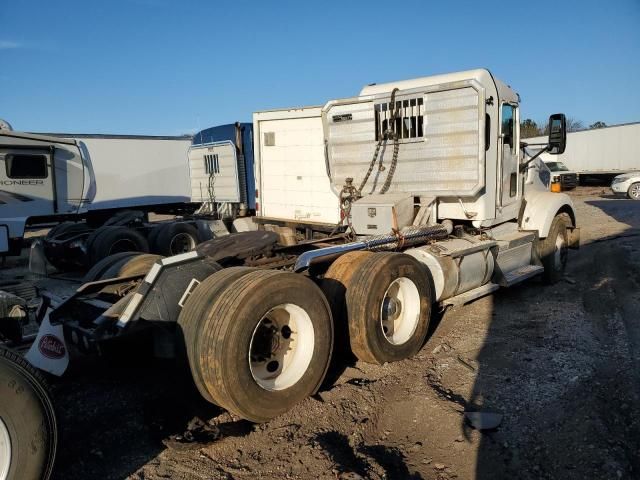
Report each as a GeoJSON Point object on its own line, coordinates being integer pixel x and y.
{"type": "Point", "coordinates": [400, 311]}
{"type": "Point", "coordinates": [182, 243]}
{"type": "Point", "coordinates": [560, 253]}
{"type": "Point", "coordinates": [5, 451]}
{"type": "Point", "coordinates": [635, 190]}
{"type": "Point", "coordinates": [281, 347]}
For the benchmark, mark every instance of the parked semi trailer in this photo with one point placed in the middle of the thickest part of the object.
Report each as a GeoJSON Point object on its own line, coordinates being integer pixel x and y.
{"type": "Point", "coordinates": [102, 188]}
{"type": "Point", "coordinates": [600, 152]}
{"type": "Point", "coordinates": [440, 208]}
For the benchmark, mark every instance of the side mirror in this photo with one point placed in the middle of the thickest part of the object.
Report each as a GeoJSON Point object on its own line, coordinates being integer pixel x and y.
{"type": "Point", "coordinates": [557, 134]}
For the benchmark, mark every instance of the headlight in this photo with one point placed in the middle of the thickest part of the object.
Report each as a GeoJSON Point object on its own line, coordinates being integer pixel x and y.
{"type": "Point", "coordinates": [619, 180]}
{"type": "Point", "coordinates": [556, 178]}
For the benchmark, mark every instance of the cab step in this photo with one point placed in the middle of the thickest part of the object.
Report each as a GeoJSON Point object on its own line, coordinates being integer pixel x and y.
{"type": "Point", "coordinates": [471, 295]}
{"type": "Point", "coordinates": [520, 274]}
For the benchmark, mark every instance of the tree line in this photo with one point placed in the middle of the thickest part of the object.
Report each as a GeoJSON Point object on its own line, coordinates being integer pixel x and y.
{"type": "Point", "coordinates": [530, 128]}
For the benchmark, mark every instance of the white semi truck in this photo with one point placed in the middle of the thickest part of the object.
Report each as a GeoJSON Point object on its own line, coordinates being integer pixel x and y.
{"type": "Point", "coordinates": [439, 206]}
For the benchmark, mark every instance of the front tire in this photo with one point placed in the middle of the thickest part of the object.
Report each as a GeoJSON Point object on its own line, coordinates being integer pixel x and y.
{"type": "Point", "coordinates": [634, 191]}
{"type": "Point", "coordinates": [554, 250]}
{"type": "Point", "coordinates": [265, 343]}
{"type": "Point", "coordinates": [28, 431]}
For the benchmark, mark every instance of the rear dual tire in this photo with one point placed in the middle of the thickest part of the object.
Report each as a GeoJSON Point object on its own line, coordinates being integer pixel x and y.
{"type": "Point", "coordinates": [108, 240]}
{"type": "Point", "coordinates": [257, 355]}
{"type": "Point", "coordinates": [173, 238]}
{"type": "Point", "coordinates": [389, 300]}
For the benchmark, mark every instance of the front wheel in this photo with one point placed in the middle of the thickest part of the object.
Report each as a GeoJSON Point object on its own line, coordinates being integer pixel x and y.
{"type": "Point", "coordinates": [634, 191]}
{"type": "Point", "coordinates": [28, 432]}
{"type": "Point", "coordinates": [554, 250]}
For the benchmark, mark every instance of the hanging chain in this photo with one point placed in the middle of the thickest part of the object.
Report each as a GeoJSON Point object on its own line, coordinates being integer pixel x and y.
{"type": "Point", "coordinates": [212, 193]}
{"type": "Point", "coordinates": [390, 132]}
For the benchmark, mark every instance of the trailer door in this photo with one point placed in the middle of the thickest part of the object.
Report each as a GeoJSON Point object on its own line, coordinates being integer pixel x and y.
{"type": "Point", "coordinates": [27, 182]}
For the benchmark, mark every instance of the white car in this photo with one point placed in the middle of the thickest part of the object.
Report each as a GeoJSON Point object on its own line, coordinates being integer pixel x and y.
{"type": "Point", "coordinates": [627, 184]}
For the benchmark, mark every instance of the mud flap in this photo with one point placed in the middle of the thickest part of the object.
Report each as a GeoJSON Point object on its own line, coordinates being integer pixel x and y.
{"type": "Point", "coordinates": [37, 260]}
{"type": "Point", "coordinates": [574, 237]}
{"type": "Point", "coordinates": [49, 351]}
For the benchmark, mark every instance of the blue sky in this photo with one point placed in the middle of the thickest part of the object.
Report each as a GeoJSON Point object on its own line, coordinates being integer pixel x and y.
{"type": "Point", "coordinates": [163, 67]}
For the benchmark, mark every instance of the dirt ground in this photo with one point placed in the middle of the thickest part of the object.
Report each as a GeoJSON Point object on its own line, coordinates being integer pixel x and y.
{"type": "Point", "coordinates": [560, 364]}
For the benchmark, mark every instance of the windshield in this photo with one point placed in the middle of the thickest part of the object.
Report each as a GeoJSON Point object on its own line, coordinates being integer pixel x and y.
{"type": "Point", "coordinates": [557, 166]}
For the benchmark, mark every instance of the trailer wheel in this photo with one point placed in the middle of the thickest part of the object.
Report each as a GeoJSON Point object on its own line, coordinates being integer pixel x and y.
{"type": "Point", "coordinates": [634, 191]}
{"type": "Point", "coordinates": [389, 305]}
{"type": "Point", "coordinates": [138, 264]}
{"type": "Point", "coordinates": [28, 431]}
{"type": "Point", "coordinates": [335, 285]}
{"type": "Point", "coordinates": [112, 240]}
{"type": "Point", "coordinates": [554, 250]}
{"type": "Point", "coordinates": [189, 321]}
{"type": "Point", "coordinates": [265, 343]}
{"type": "Point", "coordinates": [97, 271]}
{"type": "Point", "coordinates": [176, 238]}
{"type": "Point", "coordinates": [152, 238]}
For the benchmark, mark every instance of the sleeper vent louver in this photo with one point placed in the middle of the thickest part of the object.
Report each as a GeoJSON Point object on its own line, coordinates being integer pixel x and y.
{"type": "Point", "coordinates": [409, 118]}
{"type": "Point", "coordinates": [211, 163]}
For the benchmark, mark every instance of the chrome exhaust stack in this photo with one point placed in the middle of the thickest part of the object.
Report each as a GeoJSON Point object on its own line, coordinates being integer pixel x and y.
{"type": "Point", "coordinates": [393, 241]}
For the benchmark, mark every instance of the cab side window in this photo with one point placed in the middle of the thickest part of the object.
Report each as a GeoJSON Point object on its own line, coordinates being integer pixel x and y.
{"type": "Point", "coordinates": [26, 166]}
{"type": "Point", "coordinates": [507, 125]}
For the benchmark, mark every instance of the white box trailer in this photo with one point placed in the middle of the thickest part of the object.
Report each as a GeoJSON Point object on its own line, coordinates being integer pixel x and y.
{"type": "Point", "coordinates": [600, 151]}
{"type": "Point", "coordinates": [290, 168]}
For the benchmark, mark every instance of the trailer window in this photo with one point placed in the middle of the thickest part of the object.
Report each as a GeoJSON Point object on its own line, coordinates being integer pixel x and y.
{"type": "Point", "coordinates": [26, 166]}
{"type": "Point", "coordinates": [409, 118]}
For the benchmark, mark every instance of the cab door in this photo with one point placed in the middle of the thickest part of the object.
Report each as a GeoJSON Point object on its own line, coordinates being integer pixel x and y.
{"type": "Point", "coordinates": [509, 153]}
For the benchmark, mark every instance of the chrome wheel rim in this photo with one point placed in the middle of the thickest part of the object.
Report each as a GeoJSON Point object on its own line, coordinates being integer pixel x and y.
{"type": "Point", "coordinates": [400, 311]}
{"type": "Point", "coordinates": [182, 243]}
{"type": "Point", "coordinates": [5, 451]}
{"type": "Point", "coordinates": [281, 347]}
{"type": "Point", "coordinates": [634, 191]}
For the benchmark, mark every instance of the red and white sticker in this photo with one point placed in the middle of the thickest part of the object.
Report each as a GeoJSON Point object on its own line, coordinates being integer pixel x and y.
{"type": "Point", "coordinates": [51, 347]}
{"type": "Point", "coordinates": [49, 352]}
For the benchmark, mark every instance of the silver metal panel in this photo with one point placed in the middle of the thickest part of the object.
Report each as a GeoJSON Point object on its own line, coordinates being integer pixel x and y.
{"type": "Point", "coordinates": [380, 214]}
{"type": "Point", "coordinates": [442, 156]}
{"type": "Point", "coordinates": [514, 257]}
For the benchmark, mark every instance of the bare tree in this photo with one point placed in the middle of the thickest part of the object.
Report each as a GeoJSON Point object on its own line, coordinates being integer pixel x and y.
{"type": "Point", "coordinates": [573, 125]}
{"type": "Point", "coordinates": [529, 128]}
{"type": "Point", "coordinates": [598, 124]}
